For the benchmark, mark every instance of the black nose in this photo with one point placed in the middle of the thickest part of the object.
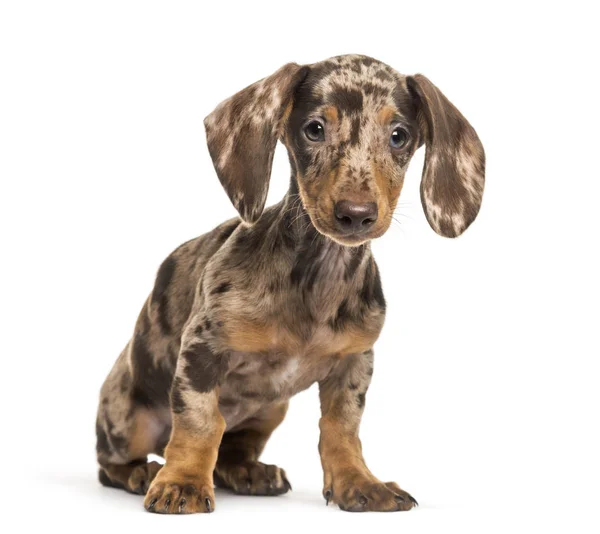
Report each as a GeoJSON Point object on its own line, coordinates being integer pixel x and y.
{"type": "Point", "coordinates": [352, 217]}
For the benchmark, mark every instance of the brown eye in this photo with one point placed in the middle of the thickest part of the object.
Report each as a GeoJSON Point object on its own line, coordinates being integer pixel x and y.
{"type": "Point", "coordinates": [315, 131]}
{"type": "Point", "coordinates": [399, 137]}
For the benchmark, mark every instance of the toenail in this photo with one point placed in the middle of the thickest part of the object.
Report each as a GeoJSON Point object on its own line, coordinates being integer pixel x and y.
{"type": "Point", "coordinates": [208, 505]}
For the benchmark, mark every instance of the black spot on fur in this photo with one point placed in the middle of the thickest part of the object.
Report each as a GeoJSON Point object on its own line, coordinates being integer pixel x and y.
{"type": "Point", "coordinates": [353, 386]}
{"type": "Point", "coordinates": [310, 259]}
{"type": "Point", "coordinates": [378, 289]}
{"type": "Point", "coordinates": [357, 257]}
{"type": "Point", "coordinates": [251, 395]}
{"type": "Point", "coordinates": [227, 402]}
{"type": "Point", "coordinates": [115, 441]}
{"type": "Point", "coordinates": [159, 294]}
{"type": "Point", "coordinates": [342, 317]}
{"type": "Point", "coordinates": [375, 90]}
{"type": "Point", "coordinates": [446, 227]}
{"type": "Point", "coordinates": [407, 102]}
{"type": "Point", "coordinates": [177, 402]}
{"type": "Point", "coordinates": [204, 369]}
{"type": "Point", "coordinates": [221, 288]}
{"type": "Point", "coordinates": [198, 330]}
{"type": "Point", "coordinates": [355, 131]}
{"type": "Point", "coordinates": [207, 323]}
{"type": "Point", "coordinates": [383, 75]}
{"type": "Point", "coordinates": [372, 292]}
{"type": "Point", "coordinates": [361, 399]}
{"type": "Point", "coordinates": [367, 61]}
{"type": "Point", "coordinates": [322, 70]}
{"type": "Point", "coordinates": [356, 67]}
{"type": "Point", "coordinates": [151, 381]}
{"type": "Point", "coordinates": [163, 278]}
{"type": "Point", "coordinates": [346, 100]}
{"type": "Point", "coordinates": [102, 445]}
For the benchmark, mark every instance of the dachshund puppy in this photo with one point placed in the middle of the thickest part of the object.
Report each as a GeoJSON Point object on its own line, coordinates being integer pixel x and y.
{"type": "Point", "coordinates": [244, 317]}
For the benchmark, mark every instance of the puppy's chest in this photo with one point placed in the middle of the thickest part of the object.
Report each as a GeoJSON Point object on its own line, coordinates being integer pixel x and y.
{"type": "Point", "coordinates": [256, 381]}
{"type": "Point", "coordinates": [272, 376]}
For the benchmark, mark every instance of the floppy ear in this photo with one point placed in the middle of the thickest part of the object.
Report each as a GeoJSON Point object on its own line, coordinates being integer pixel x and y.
{"type": "Point", "coordinates": [454, 170]}
{"type": "Point", "coordinates": [242, 133]}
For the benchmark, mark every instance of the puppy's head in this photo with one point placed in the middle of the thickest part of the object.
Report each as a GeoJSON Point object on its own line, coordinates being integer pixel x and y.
{"type": "Point", "coordinates": [351, 125]}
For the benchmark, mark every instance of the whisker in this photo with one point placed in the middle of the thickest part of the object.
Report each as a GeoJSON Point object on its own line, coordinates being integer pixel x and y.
{"type": "Point", "coordinates": [295, 205]}
{"type": "Point", "coordinates": [317, 235]}
{"type": "Point", "coordinates": [404, 215]}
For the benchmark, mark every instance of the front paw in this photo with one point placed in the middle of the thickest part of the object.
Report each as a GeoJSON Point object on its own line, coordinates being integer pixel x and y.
{"type": "Point", "coordinates": [179, 495]}
{"type": "Point", "coordinates": [354, 494]}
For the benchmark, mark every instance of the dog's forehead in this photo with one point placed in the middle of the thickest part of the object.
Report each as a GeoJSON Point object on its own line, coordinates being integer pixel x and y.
{"type": "Point", "coordinates": [357, 81]}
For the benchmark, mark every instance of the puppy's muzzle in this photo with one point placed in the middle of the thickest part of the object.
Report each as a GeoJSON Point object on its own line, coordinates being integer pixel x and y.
{"type": "Point", "coordinates": [354, 218]}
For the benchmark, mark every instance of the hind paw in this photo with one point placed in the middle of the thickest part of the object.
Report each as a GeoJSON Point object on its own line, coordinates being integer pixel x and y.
{"type": "Point", "coordinates": [252, 478]}
{"type": "Point", "coordinates": [142, 476]}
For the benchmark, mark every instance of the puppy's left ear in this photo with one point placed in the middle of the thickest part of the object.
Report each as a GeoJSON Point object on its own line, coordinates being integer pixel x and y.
{"type": "Point", "coordinates": [242, 133]}
{"type": "Point", "coordinates": [454, 170]}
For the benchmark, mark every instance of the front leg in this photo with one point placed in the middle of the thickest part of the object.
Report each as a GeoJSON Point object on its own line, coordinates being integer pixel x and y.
{"type": "Point", "coordinates": [348, 481]}
{"type": "Point", "coordinates": [185, 483]}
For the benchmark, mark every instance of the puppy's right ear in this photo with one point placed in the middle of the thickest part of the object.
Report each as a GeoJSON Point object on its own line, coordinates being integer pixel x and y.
{"type": "Point", "coordinates": [242, 133]}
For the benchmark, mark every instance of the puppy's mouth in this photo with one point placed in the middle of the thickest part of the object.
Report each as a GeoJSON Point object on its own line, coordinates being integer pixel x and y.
{"type": "Point", "coordinates": [347, 232]}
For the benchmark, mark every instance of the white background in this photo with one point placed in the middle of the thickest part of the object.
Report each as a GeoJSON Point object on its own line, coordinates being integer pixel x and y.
{"type": "Point", "coordinates": [484, 403]}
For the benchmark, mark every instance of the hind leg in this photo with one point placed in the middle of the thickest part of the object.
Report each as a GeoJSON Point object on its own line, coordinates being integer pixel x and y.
{"type": "Point", "coordinates": [238, 467]}
{"type": "Point", "coordinates": [126, 433]}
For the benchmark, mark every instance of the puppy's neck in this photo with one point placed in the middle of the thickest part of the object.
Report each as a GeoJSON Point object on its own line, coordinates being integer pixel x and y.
{"type": "Point", "coordinates": [317, 257]}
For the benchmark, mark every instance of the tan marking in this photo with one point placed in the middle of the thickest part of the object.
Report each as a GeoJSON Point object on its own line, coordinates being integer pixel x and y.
{"type": "Point", "coordinates": [247, 336]}
{"type": "Point", "coordinates": [353, 340]}
{"type": "Point", "coordinates": [383, 183]}
{"type": "Point", "coordinates": [389, 190]}
{"type": "Point", "coordinates": [331, 114]}
{"type": "Point", "coordinates": [386, 115]}
{"type": "Point", "coordinates": [189, 455]}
